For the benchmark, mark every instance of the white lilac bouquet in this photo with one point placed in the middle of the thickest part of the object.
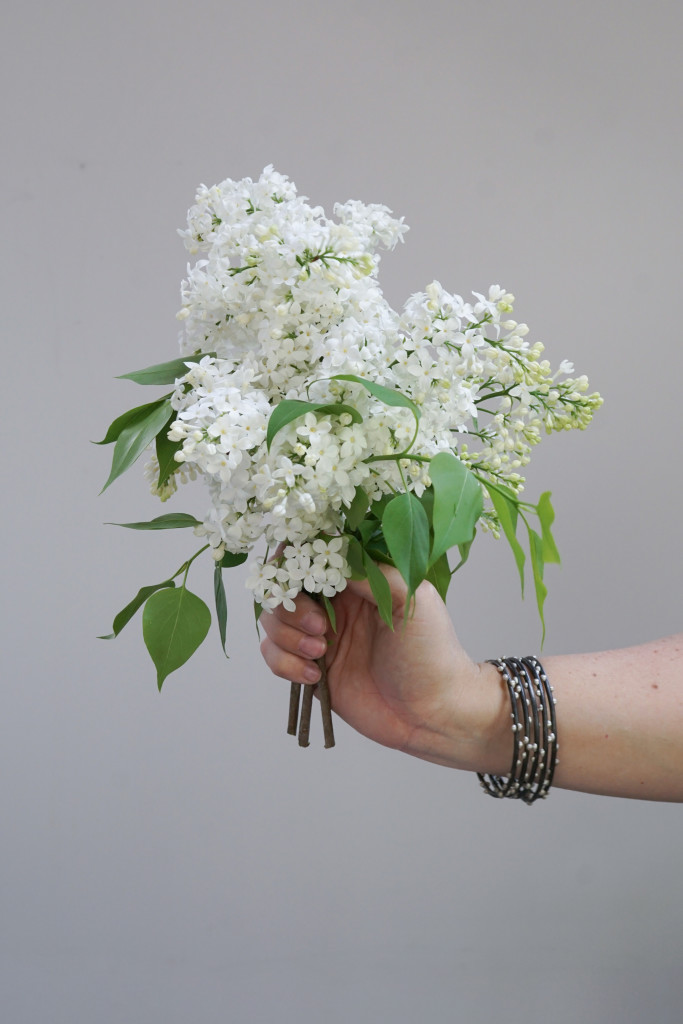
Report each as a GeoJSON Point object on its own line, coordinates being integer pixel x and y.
{"type": "Point", "coordinates": [327, 427]}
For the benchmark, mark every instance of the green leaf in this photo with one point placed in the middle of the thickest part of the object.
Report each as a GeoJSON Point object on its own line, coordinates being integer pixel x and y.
{"type": "Point", "coordinates": [127, 613]}
{"type": "Point", "coordinates": [427, 502]}
{"type": "Point", "coordinates": [164, 373]}
{"type": "Point", "coordinates": [357, 509]}
{"type": "Point", "coordinates": [439, 574]}
{"type": "Point", "coordinates": [380, 589]}
{"type": "Point", "coordinates": [331, 614]}
{"type": "Point", "coordinates": [166, 451]}
{"type": "Point", "coordinates": [221, 604]}
{"type": "Point", "coordinates": [458, 503]}
{"type": "Point", "coordinates": [506, 510]}
{"type": "Point", "coordinates": [126, 419]}
{"type": "Point", "coordinates": [379, 553]}
{"type": "Point", "coordinates": [258, 612]}
{"type": "Point", "coordinates": [546, 515]}
{"type": "Point", "coordinates": [291, 409]}
{"type": "Point", "coordinates": [377, 507]}
{"type": "Point", "coordinates": [134, 438]}
{"type": "Point", "coordinates": [170, 521]}
{"type": "Point", "coordinates": [368, 529]}
{"type": "Point", "coordinates": [464, 550]}
{"type": "Point", "coordinates": [174, 624]}
{"type": "Point", "coordinates": [229, 560]}
{"type": "Point", "coordinates": [536, 552]}
{"type": "Point", "coordinates": [354, 557]}
{"type": "Point", "coordinates": [406, 531]}
{"type": "Point", "coordinates": [337, 409]}
{"type": "Point", "coordinates": [283, 413]}
{"type": "Point", "coordinates": [389, 396]}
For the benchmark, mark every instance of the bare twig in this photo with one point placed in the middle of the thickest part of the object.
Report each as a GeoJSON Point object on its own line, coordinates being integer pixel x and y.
{"type": "Point", "coordinates": [305, 719]}
{"type": "Point", "coordinates": [294, 695]}
{"type": "Point", "coordinates": [325, 705]}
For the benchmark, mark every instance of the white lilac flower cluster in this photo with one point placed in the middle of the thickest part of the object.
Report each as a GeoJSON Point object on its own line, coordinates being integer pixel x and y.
{"type": "Point", "coordinates": [287, 302]}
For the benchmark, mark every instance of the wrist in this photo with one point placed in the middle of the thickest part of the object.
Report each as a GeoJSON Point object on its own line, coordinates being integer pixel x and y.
{"type": "Point", "coordinates": [472, 728]}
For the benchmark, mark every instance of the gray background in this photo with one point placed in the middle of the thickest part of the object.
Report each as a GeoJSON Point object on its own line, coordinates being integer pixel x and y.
{"type": "Point", "coordinates": [177, 857]}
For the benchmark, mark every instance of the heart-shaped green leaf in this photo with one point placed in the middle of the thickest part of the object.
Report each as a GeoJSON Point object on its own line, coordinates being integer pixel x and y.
{"type": "Point", "coordinates": [174, 624]}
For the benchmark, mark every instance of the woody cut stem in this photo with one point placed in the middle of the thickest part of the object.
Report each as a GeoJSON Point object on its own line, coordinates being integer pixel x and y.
{"type": "Point", "coordinates": [304, 718]}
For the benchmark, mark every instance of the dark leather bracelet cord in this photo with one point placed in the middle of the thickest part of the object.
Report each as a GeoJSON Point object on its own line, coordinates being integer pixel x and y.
{"type": "Point", "coordinates": [534, 727]}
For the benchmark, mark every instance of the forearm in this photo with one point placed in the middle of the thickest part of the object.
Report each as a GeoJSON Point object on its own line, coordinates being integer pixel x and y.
{"type": "Point", "coordinates": [619, 713]}
{"type": "Point", "coordinates": [620, 721]}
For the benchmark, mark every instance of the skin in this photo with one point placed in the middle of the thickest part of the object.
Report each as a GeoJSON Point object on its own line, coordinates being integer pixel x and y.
{"type": "Point", "coordinates": [620, 713]}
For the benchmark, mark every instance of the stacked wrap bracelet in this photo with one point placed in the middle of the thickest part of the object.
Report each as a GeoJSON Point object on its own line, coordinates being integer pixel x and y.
{"type": "Point", "coordinates": [534, 728]}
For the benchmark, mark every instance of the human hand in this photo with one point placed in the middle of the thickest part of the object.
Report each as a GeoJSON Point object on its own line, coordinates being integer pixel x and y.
{"type": "Point", "coordinates": [414, 688]}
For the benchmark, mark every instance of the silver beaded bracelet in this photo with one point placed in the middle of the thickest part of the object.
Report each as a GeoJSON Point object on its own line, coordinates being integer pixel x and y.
{"type": "Point", "coordinates": [534, 729]}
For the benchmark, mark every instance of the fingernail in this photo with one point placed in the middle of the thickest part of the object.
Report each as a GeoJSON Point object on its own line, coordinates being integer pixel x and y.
{"type": "Point", "coordinates": [313, 623]}
{"type": "Point", "coordinates": [312, 673]}
{"type": "Point", "coordinates": [312, 646]}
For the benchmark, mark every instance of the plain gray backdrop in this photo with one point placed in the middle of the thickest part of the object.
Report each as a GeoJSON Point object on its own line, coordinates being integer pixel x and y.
{"type": "Point", "coordinates": [176, 857]}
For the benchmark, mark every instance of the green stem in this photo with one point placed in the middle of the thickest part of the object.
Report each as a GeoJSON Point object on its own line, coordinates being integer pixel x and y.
{"type": "Point", "coordinates": [492, 394]}
{"type": "Point", "coordinates": [396, 458]}
{"type": "Point", "coordinates": [403, 479]}
{"type": "Point", "coordinates": [185, 567]}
